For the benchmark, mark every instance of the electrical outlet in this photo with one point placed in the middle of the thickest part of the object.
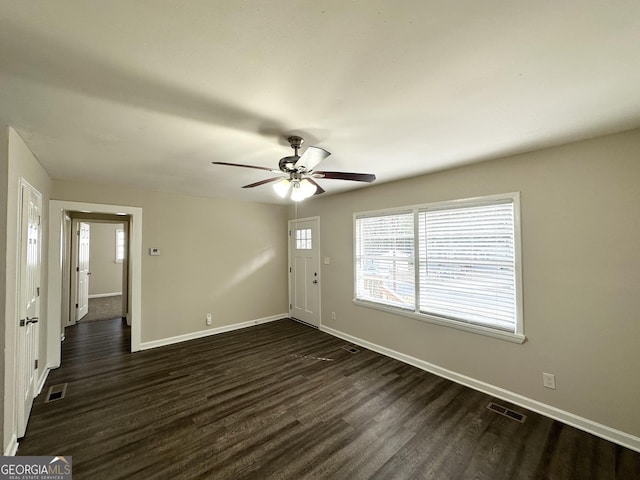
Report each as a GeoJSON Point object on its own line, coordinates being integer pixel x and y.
{"type": "Point", "coordinates": [549, 380]}
{"type": "Point", "coordinates": [333, 315]}
{"type": "Point", "coordinates": [209, 320]}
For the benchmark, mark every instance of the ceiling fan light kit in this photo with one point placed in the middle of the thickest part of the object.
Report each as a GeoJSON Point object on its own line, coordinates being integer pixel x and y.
{"type": "Point", "coordinates": [282, 187]}
{"type": "Point", "coordinates": [299, 181]}
{"type": "Point", "coordinates": [297, 194]}
{"type": "Point", "coordinates": [299, 188]}
{"type": "Point", "coordinates": [308, 188]}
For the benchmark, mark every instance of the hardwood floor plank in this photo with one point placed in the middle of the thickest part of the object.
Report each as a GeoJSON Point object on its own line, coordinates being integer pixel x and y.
{"type": "Point", "coordinates": [627, 463]}
{"type": "Point", "coordinates": [365, 453]}
{"type": "Point", "coordinates": [282, 400]}
{"type": "Point", "coordinates": [519, 460]}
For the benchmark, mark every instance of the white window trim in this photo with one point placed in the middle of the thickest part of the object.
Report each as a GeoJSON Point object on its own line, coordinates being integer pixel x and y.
{"type": "Point", "coordinates": [518, 335]}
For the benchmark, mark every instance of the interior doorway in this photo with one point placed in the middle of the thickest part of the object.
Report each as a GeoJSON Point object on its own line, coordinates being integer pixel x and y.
{"type": "Point", "coordinates": [61, 215]}
{"type": "Point", "coordinates": [98, 271]}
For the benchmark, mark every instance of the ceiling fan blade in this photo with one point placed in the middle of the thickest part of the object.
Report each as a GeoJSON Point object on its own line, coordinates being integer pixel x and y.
{"type": "Point", "coordinates": [262, 182]}
{"type": "Point", "coordinates": [319, 190]}
{"type": "Point", "coordinates": [311, 157]}
{"type": "Point", "coordinates": [356, 177]}
{"type": "Point", "coordinates": [245, 166]}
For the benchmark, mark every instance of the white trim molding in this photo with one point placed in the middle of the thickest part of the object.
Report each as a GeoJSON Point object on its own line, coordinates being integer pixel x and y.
{"type": "Point", "coordinates": [211, 331]}
{"type": "Point", "coordinates": [603, 431]}
{"type": "Point", "coordinates": [12, 448]}
{"type": "Point", "coordinates": [423, 317]}
{"type": "Point", "coordinates": [102, 295]}
{"type": "Point", "coordinates": [42, 381]}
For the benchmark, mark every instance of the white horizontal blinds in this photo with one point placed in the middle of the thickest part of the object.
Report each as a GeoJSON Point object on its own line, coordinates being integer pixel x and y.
{"type": "Point", "coordinates": [467, 264]}
{"type": "Point", "coordinates": [384, 260]}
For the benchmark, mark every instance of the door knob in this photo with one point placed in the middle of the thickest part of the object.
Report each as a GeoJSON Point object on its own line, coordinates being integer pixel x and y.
{"type": "Point", "coordinates": [32, 320]}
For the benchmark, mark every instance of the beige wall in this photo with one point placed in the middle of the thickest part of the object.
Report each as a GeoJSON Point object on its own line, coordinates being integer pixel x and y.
{"type": "Point", "coordinates": [21, 164]}
{"type": "Point", "coordinates": [106, 274]}
{"type": "Point", "coordinates": [580, 208]}
{"type": "Point", "coordinates": [224, 257]}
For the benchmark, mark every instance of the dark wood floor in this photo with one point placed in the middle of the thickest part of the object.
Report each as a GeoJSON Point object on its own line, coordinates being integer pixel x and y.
{"type": "Point", "coordinates": [285, 401]}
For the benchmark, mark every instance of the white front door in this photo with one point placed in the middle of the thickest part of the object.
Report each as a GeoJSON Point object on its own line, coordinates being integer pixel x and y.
{"type": "Point", "coordinates": [84, 238]}
{"type": "Point", "coordinates": [29, 303]}
{"type": "Point", "coordinates": [304, 270]}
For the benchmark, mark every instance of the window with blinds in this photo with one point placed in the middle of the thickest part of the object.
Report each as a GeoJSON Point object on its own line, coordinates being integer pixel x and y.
{"type": "Point", "coordinates": [466, 269]}
{"type": "Point", "coordinates": [384, 259]}
{"type": "Point", "coordinates": [467, 264]}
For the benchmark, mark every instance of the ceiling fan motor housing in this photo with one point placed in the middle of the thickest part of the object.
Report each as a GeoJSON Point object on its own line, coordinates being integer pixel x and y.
{"type": "Point", "coordinates": [295, 142]}
{"type": "Point", "coordinates": [286, 164]}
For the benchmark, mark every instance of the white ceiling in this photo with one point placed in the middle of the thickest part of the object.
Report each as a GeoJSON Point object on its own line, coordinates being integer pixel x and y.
{"type": "Point", "coordinates": [148, 93]}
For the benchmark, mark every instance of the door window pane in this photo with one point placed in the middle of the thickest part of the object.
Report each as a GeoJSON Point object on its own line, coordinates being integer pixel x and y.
{"type": "Point", "coordinates": [303, 239]}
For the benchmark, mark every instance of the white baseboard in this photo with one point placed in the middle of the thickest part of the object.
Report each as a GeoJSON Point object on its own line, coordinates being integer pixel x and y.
{"type": "Point", "coordinates": [616, 436]}
{"type": "Point", "coordinates": [42, 381]}
{"type": "Point", "coordinates": [12, 448]}
{"type": "Point", "coordinates": [101, 295]}
{"type": "Point", "coordinates": [211, 331]}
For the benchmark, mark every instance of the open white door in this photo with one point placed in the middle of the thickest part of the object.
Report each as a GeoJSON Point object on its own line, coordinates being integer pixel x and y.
{"type": "Point", "coordinates": [84, 238]}
{"type": "Point", "coordinates": [304, 270]}
{"type": "Point", "coordinates": [29, 303]}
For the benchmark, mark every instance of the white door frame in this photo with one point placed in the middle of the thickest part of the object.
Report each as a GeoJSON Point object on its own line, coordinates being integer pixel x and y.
{"type": "Point", "coordinates": [66, 271]}
{"type": "Point", "coordinates": [290, 228]}
{"type": "Point", "coordinates": [57, 209]}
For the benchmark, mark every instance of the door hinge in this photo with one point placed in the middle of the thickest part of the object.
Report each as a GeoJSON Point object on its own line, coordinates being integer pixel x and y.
{"type": "Point", "coordinates": [37, 291]}
{"type": "Point", "coordinates": [289, 232]}
{"type": "Point", "coordinates": [35, 366]}
{"type": "Point", "coordinates": [76, 305]}
{"type": "Point", "coordinates": [78, 233]}
{"type": "Point", "coordinates": [39, 219]}
{"type": "Point", "coordinates": [289, 269]}
{"type": "Point", "coordinates": [290, 306]}
{"type": "Point", "coordinates": [77, 269]}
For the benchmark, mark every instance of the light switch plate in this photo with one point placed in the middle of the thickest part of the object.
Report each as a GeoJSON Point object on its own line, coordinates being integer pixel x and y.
{"type": "Point", "coordinates": [549, 380]}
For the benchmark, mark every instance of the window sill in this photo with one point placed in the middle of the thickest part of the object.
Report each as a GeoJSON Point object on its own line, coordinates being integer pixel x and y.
{"type": "Point", "coordinates": [489, 332]}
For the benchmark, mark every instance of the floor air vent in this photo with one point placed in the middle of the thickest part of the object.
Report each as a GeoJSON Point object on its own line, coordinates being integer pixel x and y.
{"type": "Point", "coordinates": [312, 358]}
{"type": "Point", "coordinates": [56, 392]}
{"type": "Point", "coordinates": [507, 412]}
{"type": "Point", "coordinates": [350, 349]}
